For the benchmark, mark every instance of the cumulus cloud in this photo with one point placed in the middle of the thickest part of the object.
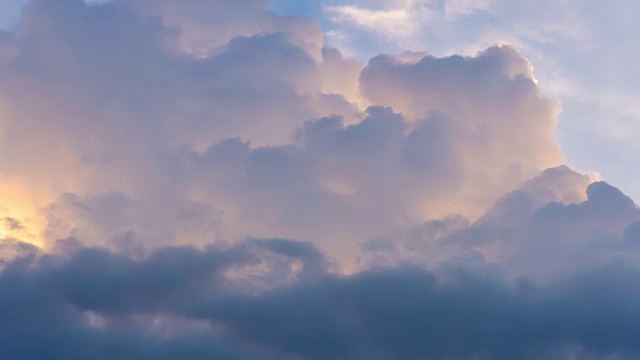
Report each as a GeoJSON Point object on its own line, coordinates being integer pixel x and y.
{"type": "Point", "coordinates": [501, 125]}
{"type": "Point", "coordinates": [142, 139]}
{"type": "Point", "coordinates": [82, 107]}
{"type": "Point", "coordinates": [144, 142]}
{"type": "Point", "coordinates": [583, 51]}
{"type": "Point", "coordinates": [557, 223]}
{"type": "Point", "coordinates": [207, 25]}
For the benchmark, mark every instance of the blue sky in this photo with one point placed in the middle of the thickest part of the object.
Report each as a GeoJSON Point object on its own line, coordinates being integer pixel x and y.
{"type": "Point", "coordinates": [10, 12]}
{"type": "Point", "coordinates": [311, 8]}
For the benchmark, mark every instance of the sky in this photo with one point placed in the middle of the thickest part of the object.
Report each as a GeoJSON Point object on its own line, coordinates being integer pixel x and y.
{"type": "Point", "coordinates": [352, 180]}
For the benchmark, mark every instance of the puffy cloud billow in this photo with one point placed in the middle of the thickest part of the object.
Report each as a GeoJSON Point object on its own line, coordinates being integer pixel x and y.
{"type": "Point", "coordinates": [205, 179]}
{"type": "Point", "coordinates": [215, 303]}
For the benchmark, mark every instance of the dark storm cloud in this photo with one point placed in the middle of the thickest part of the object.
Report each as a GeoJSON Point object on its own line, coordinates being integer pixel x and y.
{"type": "Point", "coordinates": [51, 302]}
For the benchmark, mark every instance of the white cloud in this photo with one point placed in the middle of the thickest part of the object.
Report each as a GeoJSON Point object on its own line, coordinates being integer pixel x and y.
{"type": "Point", "coordinates": [391, 24]}
{"type": "Point", "coordinates": [583, 52]}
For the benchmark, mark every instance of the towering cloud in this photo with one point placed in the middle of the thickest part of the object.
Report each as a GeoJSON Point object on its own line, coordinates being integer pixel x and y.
{"type": "Point", "coordinates": [147, 146]}
{"type": "Point", "coordinates": [500, 125]}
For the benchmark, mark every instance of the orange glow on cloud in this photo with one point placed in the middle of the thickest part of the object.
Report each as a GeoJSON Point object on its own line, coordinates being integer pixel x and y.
{"type": "Point", "coordinates": [20, 218]}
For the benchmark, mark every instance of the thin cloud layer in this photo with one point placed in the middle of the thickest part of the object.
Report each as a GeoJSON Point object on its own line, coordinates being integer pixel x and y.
{"type": "Point", "coordinates": [144, 142]}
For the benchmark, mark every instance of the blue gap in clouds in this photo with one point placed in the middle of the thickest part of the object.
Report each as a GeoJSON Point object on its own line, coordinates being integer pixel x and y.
{"type": "Point", "coordinates": [10, 13]}
{"type": "Point", "coordinates": [296, 7]}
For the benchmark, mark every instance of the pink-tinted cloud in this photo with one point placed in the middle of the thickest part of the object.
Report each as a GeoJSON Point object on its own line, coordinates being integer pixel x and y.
{"type": "Point", "coordinates": [146, 145]}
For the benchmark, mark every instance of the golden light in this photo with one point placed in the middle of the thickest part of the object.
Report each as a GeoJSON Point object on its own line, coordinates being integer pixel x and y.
{"type": "Point", "coordinates": [20, 218]}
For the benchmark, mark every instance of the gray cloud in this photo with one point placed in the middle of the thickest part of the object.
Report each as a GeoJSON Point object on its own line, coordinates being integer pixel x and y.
{"type": "Point", "coordinates": [157, 137]}
{"type": "Point", "coordinates": [177, 302]}
{"type": "Point", "coordinates": [207, 25]}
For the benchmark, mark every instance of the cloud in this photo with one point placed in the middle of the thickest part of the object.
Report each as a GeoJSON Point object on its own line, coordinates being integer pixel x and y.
{"type": "Point", "coordinates": [491, 103]}
{"type": "Point", "coordinates": [104, 112]}
{"type": "Point", "coordinates": [207, 25]}
{"type": "Point", "coordinates": [577, 46]}
{"type": "Point", "coordinates": [148, 144]}
{"type": "Point", "coordinates": [555, 224]}
{"type": "Point", "coordinates": [144, 141]}
{"type": "Point", "coordinates": [389, 23]}
{"type": "Point", "coordinates": [89, 302]}
{"type": "Point", "coordinates": [182, 302]}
